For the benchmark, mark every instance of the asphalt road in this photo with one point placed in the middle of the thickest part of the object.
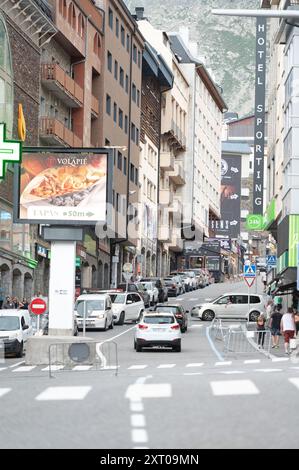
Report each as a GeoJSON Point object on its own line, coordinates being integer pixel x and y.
{"type": "Point", "coordinates": [196, 399]}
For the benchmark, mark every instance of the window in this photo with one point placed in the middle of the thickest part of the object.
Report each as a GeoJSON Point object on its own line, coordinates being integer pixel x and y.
{"type": "Point", "coordinates": [115, 112]}
{"type": "Point", "coordinates": [97, 45]}
{"type": "Point", "coordinates": [125, 166]}
{"type": "Point", "coordinates": [118, 202]}
{"type": "Point", "coordinates": [113, 198]}
{"type": "Point", "coordinates": [117, 27]}
{"type": "Point", "coordinates": [110, 15]}
{"type": "Point", "coordinates": [108, 105]}
{"type": "Point", "coordinates": [138, 98]}
{"type": "Point", "coordinates": [72, 15]}
{"type": "Point", "coordinates": [254, 299]}
{"type": "Point", "coordinates": [122, 35]}
{"type": "Point", "coordinates": [119, 160]}
{"type": "Point", "coordinates": [128, 43]}
{"type": "Point", "coordinates": [136, 176]}
{"type": "Point", "coordinates": [135, 54]}
{"type": "Point", "coordinates": [137, 136]}
{"type": "Point", "coordinates": [109, 61]}
{"type": "Point", "coordinates": [81, 26]}
{"type": "Point", "coordinates": [133, 132]}
{"type": "Point", "coordinates": [121, 119]}
{"type": "Point", "coordinates": [126, 124]}
{"type": "Point", "coordinates": [134, 95]}
{"type": "Point", "coordinates": [116, 70]}
{"type": "Point", "coordinates": [132, 172]}
{"type": "Point", "coordinates": [127, 84]}
{"type": "Point", "coordinates": [139, 59]}
{"type": "Point", "coordinates": [121, 77]}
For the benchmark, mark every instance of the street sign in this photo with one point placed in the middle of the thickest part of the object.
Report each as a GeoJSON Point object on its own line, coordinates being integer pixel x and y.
{"type": "Point", "coordinates": [272, 261]}
{"type": "Point", "coordinates": [249, 281]}
{"type": "Point", "coordinates": [250, 271]}
{"type": "Point", "coordinates": [128, 268]}
{"type": "Point", "coordinates": [38, 306]}
{"type": "Point", "coordinates": [10, 151]}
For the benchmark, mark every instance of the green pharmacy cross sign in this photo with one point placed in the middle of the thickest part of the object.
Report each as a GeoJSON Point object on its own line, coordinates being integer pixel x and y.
{"type": "Point", "coordinates": [10, 151]}
{"type": "Point", "coordinates": [255, 222]}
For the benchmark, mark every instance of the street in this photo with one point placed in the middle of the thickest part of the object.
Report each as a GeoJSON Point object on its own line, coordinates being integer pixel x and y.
{"type": "Point", "coordinates": [159, 399]}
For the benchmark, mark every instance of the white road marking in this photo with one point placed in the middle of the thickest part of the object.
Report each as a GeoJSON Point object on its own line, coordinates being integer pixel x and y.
{"type": "Point", "coordinates": [52, 368]}
{"type": "Point", "coordinates": [136, 406]}
{"type": "Point", "coordinates": [166, 366]}
{"type": "Point", "coordinates": [180, 299]}
{"type": "Point", "coordinates": [194, 300]}
{"type": "Point", "coordinates": [138, 421]}
{"type": "Point", "coordinates": [64, 393]}
{"type": "Point", "coordinates": [253, 361]}
{"type": "Point", "coordinates": [232, 372]}
{"type": "Point", "coordinates": [139, 390]}
{"type": "Point", "coordinates": [280, 359]}
{"type": "Point", "coordinates": [196, 326]}
{"type": "Point", "coordinates": [81, 368]}
{"type": "Point", "coordinates": [4, 391]}
{"type": "Point", "coordinates": [190, 374]}
{"type": "Point", "coordinates": [195, 364]}
{"type": "Point", "coordinates": [137, 367]}
{"type": "Point", "coordinates": [139, 436]}
{"type": "Point", "coordinates": [17, 365]}
{"type": "Point", "coordinates": [3, 368]}
{"type": "Point", "coordinates": [25, 369]}
{"type": "Point", "coordinates": [117, 336]}
{"type": "Point", "coordinates": [221, 364]}
{"type": "Point", "coordinates": [295, 382]}
{"type": "Point", "coordinates": [234, 387]}
{"type": "Point", "coordinates": [267, 370]}
{"type": "Point", "coordinates": [139, 447]}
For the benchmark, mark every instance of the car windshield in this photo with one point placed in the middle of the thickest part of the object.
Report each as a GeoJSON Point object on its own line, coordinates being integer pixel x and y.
{"type": "Point", "coordinates": [147, 285]}
{"type": "Point", "coordinates": [89, 305]}
{"type": "Point", "coordinates": [9, 323]}
{"type": "Point", "coordinates": [164, 320]}
{"type": "Point", "coordinates": [166, 308]}
{"type": "Point", "coordinates": [118, 298]}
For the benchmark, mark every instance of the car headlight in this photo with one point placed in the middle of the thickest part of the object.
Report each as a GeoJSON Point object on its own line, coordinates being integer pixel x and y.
{"type": "Point", "coordinates": [13, 336]}
{"type": "Point", "coordinates": [101, 316]}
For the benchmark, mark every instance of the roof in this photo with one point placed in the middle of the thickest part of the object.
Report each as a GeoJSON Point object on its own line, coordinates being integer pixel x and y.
{"type": "Point", "coordinates": [236, 147]}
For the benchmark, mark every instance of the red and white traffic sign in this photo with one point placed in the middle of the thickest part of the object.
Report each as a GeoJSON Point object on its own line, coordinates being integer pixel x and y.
{"type": "Point", "coordinates": [249, 281]}
{"type": "Point", "coordinates": [38, 306]}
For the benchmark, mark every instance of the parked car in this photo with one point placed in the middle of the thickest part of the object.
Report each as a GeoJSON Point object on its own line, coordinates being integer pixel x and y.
{"type": "Point", "coordinates": [232, 305]}
{"type": "Point", "coordinates": [152, 291]}
{"type": "Point", "coordinates": [161, 286]}
{"type": "Point", "coordinates": [158, 329]}
{"type": "Point", "coordinates": [172, 286]}
{"type": "Point", "coordinates": [127, 306]}
{"type": "Point", "coordinates": [139, 289]}
{"type": "Point", "coordinates": [178, 311]}
{"type": "Point", "coordinates": [15, 329]}
{"type": "Point", "coordinates": [185, 279]}
{"type": "Point", "coordinates": [97, 310]}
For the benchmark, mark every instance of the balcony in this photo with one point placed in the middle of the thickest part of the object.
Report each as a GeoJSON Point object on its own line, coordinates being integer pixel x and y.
{"type": "Point", "coordinates": [53, 132]}
{"type": "Point", "coordinates": [177, 243]}
{"type": "Point", "coordinates": [166, 161]}
{"type": "Point", "coordinates": [95, 107]}
{"type": "Point", "coordinates": [176, 207]}
{"type": "Point", "coordinates": [56, 80]}
{"type": "Point", "coordinates": [166, 197]}
{"type": "Point", "coordinates": [178, 176]}
{"type": "Point", "coordinates": [164, 233]}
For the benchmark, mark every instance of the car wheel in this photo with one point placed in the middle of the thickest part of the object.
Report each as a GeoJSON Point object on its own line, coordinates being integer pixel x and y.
{"type": "Point", "coordinates": [21, 350]}
{"type": "Point", "coordinates": [122, 318]}
{"type": "Point", "coordinates": [178, 348]}
{"type": "Point", "coordinates": [138, 348]}
{"type": "Point", "coordinates": [254, 316]}
{"type": "Point", "coordinates": [135, 346]}
{"type": "Point", "coordinates": [183, 330]}
{"type": "Point", "coordinates": [208, 315]}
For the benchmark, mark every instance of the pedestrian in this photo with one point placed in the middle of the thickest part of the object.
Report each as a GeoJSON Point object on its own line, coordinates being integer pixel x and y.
{"type": "Point", "coordinates": [8, 304]}
{"type": "Point", "coordinates": [264, 280]}
{"type": "Point", "coordinates": [16, 302]}
{"type": "Point", "coordinates": [296, 319]}
{"type": "Point", "coordinates": [269, 309]}
{"type": "Point", "coordinates": [1, 297]}
{"type": "Point", "coordinates": [25, 304]}
{"type": "Point", "coordinates": [288, 328]}
{"type": "Point", "coordinates": [274, 325]}
{"type": "Point", "coordinates": [260, 326]}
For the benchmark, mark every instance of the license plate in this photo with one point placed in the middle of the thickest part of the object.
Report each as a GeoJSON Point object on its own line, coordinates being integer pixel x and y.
{"type": "Point", "coordinates": [160, 330]}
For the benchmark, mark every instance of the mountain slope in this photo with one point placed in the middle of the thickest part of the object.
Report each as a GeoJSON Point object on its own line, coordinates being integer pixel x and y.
{"type": "Point", "coordinates": [227, 43]}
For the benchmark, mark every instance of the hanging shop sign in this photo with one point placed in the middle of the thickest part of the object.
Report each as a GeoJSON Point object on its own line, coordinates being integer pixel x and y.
{"type": "Point", "coordinates": [64, 187]}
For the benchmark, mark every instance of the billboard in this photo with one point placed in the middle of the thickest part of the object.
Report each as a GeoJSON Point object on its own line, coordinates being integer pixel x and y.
{"type": "Point", "coordinates": [62, 186]}
{"type": "Point", "coordinates": [229, 225]}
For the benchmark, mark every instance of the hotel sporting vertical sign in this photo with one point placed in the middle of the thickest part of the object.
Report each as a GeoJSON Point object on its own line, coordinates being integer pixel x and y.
{"type": "Point", "coordinates": [260, 115]}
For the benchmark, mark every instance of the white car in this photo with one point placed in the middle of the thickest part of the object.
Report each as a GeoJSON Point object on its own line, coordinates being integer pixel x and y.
{"type": "Point", "coordinates": [152, 290]}
{"type": "Point", "coordinates": [97, 310]}
{"type": "Point", "coordinates": [158, 329]}
{"type": "Point", "coordinates": [232, 305]}
{"type": "Point", "coordinates": [15, 329]}
{"type": "Point", "coordinates": [126, 306]}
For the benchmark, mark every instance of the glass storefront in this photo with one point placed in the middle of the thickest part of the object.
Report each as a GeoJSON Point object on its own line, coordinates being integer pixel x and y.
{"type": "Point", "coordinates": [6, 80]}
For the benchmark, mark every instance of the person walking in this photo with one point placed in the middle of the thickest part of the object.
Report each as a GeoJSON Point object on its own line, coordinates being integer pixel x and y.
{"type": "Point", "coordinates": [269, 309]}
{"type": "Point", "coordinates": [8, 304]}
{"type": "Point", "coordinates": [274, 325]}
{"type": "Point", "coordinates": [1, 297]}
{"type": "Point", "coordinates": [288, 328]}
{"type": "Point", "coordinates": [296, 319]}
{"type": "Point", "coordinates": [261, 326]}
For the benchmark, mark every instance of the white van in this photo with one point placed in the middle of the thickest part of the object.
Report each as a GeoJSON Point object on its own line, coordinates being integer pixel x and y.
{"type": "Point", "coordinates": [97, 309]}
{"type": "Point", "coordinates": [15, 329]}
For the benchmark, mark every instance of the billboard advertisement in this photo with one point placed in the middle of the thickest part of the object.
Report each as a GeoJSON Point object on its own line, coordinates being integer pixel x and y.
{"type": "Point", "coordinates": [62, 187]}
{"type": "Point", "coordinates": [229, 225]}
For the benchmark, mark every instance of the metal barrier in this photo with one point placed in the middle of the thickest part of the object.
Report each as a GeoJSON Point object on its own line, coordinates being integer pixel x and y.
{"type": "Point", "coordinates": [247, 342]}
{"type": "Point", "coordinates": [220, 330]}
{"type": "Point", "coordinates": [83, 356]}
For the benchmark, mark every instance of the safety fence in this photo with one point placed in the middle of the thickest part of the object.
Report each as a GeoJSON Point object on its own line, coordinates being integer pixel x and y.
{"type": "Point", "coordinates": [83, 356]}
{"type": "Point", "coordinates": [243, 341]}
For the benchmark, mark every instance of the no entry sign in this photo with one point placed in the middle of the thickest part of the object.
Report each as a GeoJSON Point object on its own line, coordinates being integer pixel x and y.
{"type": "Point", "coordinates": [38, 306]}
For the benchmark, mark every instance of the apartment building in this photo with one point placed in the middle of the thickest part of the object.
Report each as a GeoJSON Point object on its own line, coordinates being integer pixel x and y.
{"type": "Point", "coordinates": [157, 78]}
{"type": "Point", "coordinates": [282, 214]}
{"type": "Point", "coordinates": [25, 26]}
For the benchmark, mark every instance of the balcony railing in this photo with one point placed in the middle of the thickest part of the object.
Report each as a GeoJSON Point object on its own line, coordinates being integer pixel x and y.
{"type": "Point", "coordinates": [55, 79]}
{"type": "Point", "coordinates": [54, 132]}
{"type": "Point", "coordinates": [166, 161]}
